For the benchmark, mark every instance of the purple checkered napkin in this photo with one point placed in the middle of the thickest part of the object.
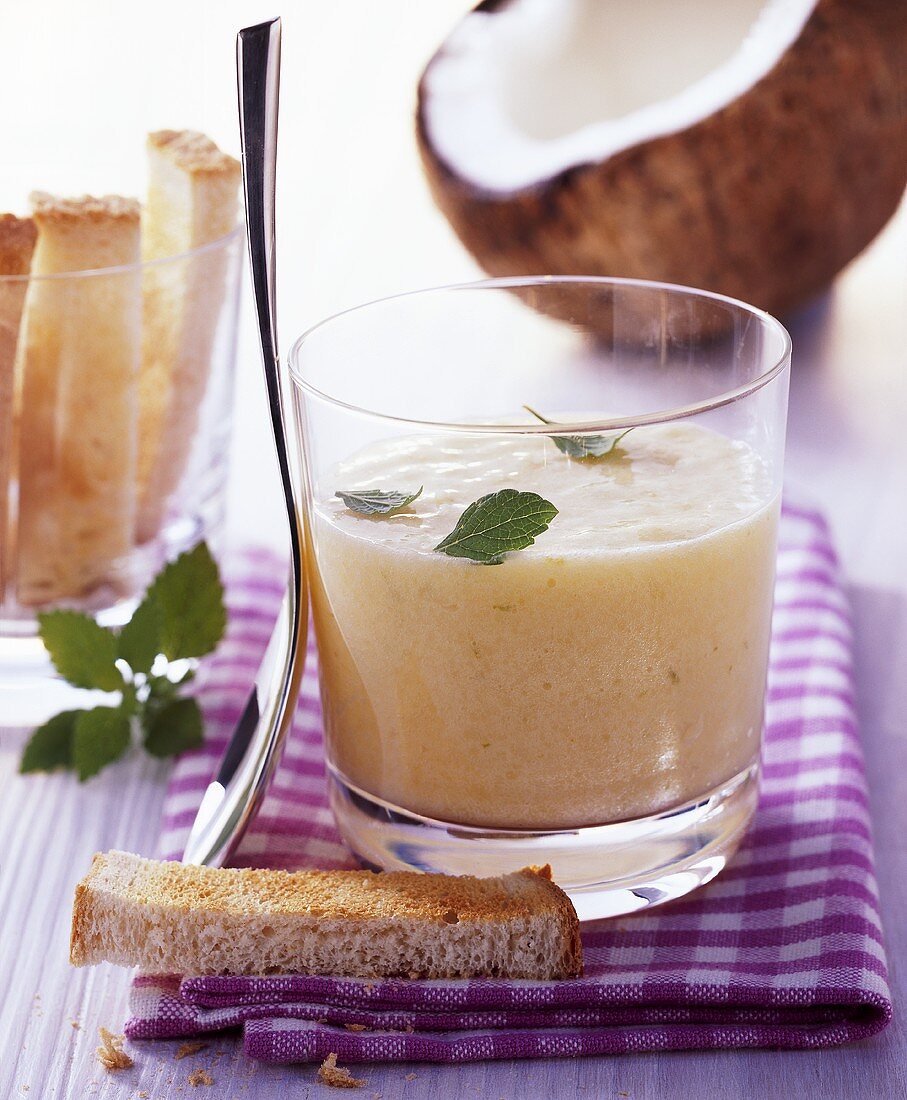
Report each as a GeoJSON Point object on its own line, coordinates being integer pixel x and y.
{"type": "Point", "coordinates": [783, 949]}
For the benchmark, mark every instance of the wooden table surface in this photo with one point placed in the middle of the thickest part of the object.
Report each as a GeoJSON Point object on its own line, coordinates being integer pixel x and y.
{"type": "Point", "coordinates": [356, 223]}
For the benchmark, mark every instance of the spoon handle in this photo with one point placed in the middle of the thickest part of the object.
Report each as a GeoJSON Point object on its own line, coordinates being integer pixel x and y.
{"type": "Point", "coordinates": [258, 78]}
{"type": "Point", "coordinates": [232, 798]}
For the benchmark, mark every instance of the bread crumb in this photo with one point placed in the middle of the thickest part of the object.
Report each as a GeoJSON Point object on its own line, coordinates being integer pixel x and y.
{"type": "Point", "coordinates": [75, 1025]}
{"type": "Point", "coordinates": [355, 1027]}
{"type": "Point", "coordinates": [200, 1077]}
{"type": "Point", "coordinates": [110, 1053]}
{"type": "Point", "coordinates": [188, 1048]}
{"type": "Point", "coordinates": [141, 1094]}
{"type": "Point", "coordinates": [336, 1076]}
{"type": "Point", "coordinates": [410, 1077]}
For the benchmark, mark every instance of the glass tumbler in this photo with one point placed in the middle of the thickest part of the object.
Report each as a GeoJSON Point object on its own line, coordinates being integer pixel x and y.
{"type": "Point", "coordinates": [114, 432]}
{"type": "Point", "coordinates": [541, 520]}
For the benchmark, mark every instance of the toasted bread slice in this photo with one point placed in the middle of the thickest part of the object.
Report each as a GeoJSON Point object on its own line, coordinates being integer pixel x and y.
{"type": "Point", "coordinates": [17, 242]}
{"type": "Point", "coordinates": [79, 403]}
{"type": "Point", "coordinates": [192, 201]}
{"type": "Point", "coordinates": [172, 918]}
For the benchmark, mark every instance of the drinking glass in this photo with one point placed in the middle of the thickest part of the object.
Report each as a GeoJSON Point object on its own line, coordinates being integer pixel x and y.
{"type": "Point", "coordinates": [116, 460]}
{"type": "Point", "coordinates": [594, 699]}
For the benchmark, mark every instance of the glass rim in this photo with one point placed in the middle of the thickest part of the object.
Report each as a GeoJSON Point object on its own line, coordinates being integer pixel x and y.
{"type": "Point", "coordinates": [727, 397]}
{"type": "Point", "coordinates": [139, 265]}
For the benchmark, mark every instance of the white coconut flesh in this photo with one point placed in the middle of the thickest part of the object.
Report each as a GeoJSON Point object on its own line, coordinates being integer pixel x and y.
{"type": "Point", "coordinates": [519, 94]}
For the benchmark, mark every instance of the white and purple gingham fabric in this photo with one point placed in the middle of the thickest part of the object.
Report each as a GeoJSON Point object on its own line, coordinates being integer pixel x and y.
{"type": "Point", "coordinates": [783, 949]}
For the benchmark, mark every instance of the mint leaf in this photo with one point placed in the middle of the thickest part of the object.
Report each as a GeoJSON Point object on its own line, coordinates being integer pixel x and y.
{"type": "Point", "coordinates": [83, 652]}
{"type": "Point", "coordinates": [50, 746]}
{"type": "Point", "coordinates": [377, 502]}
{"type": "Point", "coordinates": [189, 598]}
{"type": "Point", "coordinates": [173, 727]}
{"type": "Point", "coordinates": [496, 524]}
{"type": "Point", "coordinates": [101, 735]}
{"type": "Point", "coordinates": [140, 639]}
{"type": "Point", "coordinates": [581, 446]}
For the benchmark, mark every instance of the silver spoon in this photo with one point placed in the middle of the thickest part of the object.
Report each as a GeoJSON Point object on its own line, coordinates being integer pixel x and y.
{"type": "Point", "coordinates": [232, 798]}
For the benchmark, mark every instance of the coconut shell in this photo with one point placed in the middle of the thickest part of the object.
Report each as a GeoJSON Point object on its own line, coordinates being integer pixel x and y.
{"type": "Point", "coordinates": [764, 200]}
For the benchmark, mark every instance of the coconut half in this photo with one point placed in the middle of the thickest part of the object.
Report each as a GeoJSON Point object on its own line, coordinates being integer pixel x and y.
{"type": "Point", "coordinates": [745, 147]}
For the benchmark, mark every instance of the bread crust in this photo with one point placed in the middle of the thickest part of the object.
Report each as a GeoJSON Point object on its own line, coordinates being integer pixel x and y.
{"type": "Point", "coordinates": [439, 917]}
{"type": "Point", "coordinates": [17, 243]}
{"type": "Point", "coordinates": [194, 152]}
{"type": "Point", "coordinates": [48, 208]}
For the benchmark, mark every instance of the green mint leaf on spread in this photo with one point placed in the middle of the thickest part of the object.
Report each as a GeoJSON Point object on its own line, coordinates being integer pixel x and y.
{"type": "Point", "coordinates": [581, 446]}
{"type": "Point", "coordinates": [377, 502]}
{"type": "Point", "coordinates": [140, 639]}
{"type": "Point", "coordinates": [83, 652]}
{"type": "Point", "coordinates": [496, 524]}
{"type": "Point", "coordinates": [189, 598]}
{"type": "Point", "coordinates": [50, 746]}
{"type": "Point", "coordinates": [181, 617]}
{"type": "Point", "coordinates": [100, 736]}
{"type": "Point", "coordinates": [173, 727]}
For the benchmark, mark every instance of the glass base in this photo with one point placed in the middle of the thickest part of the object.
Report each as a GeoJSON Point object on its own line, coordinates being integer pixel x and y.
{"type": "Point", "coordinates": [606, 869]}
{"type": "Point", "coordinates": [31, 691]}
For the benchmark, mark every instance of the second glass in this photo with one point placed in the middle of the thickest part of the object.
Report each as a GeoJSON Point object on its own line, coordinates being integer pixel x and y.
{"type": "Point", "coordinates": [592, 699]}
{"type": "Point", "coordinates": [118, 461]}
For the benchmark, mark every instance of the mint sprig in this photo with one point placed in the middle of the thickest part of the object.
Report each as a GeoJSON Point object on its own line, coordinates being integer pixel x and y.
{"type": "Point", "coordinates": [581, 446]}
{"type": "Point", "coordinates": [497, 524]}
{"type": "Point", "coordinates": [377, 502]}
{"type": "Point", "coordinates": [182, 617]}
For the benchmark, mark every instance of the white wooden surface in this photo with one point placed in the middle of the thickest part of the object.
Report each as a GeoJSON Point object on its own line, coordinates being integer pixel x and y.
{"type": "Point", "coordinates": [355, 223]}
